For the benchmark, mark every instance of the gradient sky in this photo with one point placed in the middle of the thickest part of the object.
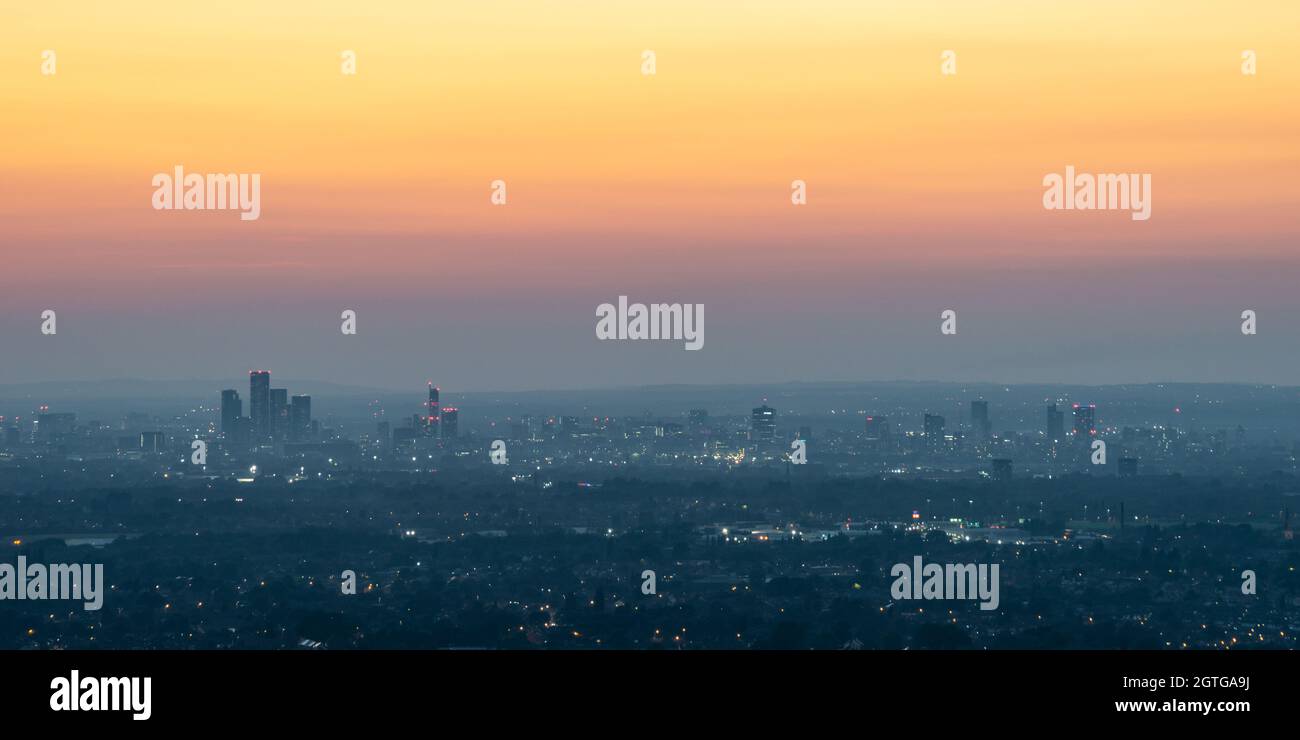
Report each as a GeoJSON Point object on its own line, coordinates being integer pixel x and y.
{"type": "Point", "coordinates": [924, 190]}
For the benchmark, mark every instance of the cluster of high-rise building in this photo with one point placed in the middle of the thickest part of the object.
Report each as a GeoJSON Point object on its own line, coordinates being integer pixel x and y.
{"type": "Point", "coordinates": [273, 416]}
{"type": "Point", "coordinates": [900, 435]}
{"type": "Point", "coordinates": [438, 421]}
{"type": "Point", "coordinates": [434, 423]}
{"type": "Point", "coordinates": [1079, 437]}
{"type": "Point", "coordinates": [1084, 424]}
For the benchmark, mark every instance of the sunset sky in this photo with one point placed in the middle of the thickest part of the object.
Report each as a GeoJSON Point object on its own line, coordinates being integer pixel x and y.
{"type": "Point", "coordinates": [924, 190]}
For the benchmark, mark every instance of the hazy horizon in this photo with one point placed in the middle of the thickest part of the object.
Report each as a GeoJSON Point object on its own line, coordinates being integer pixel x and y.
{"type": "Point", "coordinates": [278, 381]}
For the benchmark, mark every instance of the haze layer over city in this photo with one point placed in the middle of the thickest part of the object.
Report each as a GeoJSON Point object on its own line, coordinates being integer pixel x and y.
{"type": "Point", "coordinates": [769, 516]}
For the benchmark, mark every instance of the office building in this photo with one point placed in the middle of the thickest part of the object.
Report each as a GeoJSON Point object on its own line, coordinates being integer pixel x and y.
{"type": "Point", "coordinates": [979, 419]}
{"type": "Point", "coordinates": [259, 402]}
{"type": "Point", "coordinates": [231, 409]}
{"type": "Point", "coordinates": [432, 412]}
{"type": "Point", "coordinates": [1085, 423]}
{"type": "Point", "coordinates": [49, 427]}
{"type": "Point", "coordinates": [933, 432]}
{"type": "Point", "coordinates": [151, 441]}
{"type": "Point", "coordinates": [450, 422]}
{"type": "Point", "coordinates": [762, 426]}
{"type": "Point", "coordinates": [1055, 424]}
{"type": "Point", "coordinates": [877, 428]}
{"type": "Point", "coordinates": [404, 438]}
{"type": "Point", "coordinates": [300, 418]}
{"type": "Point", "coordinates": [279, 413]}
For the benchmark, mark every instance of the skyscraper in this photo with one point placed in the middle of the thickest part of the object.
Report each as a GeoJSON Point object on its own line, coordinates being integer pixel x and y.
{"type": "Point", "coordinates": [933, 432]}
{"type": "Point", "coordinates": [48, 427]}
{"type": "Point", "coordinates": [231, 409]}
{"type": "Point", "coordinates": [762, 426]}
{"type": "Point", "coordinates": [299, 417]}
{"type": "Point", "coordinates": [450, 422]}
{"type": "Point", "coordinates": [279, 413]}
{"type": "Point", "coordinates": [1085, 424]}
{"type": "Point", "coordinates": [432, 413]}
{"type": "Point", "coordinates": [877, 428]}
{"type": "Point", "coordinates": [979, 419]}
{"type": "Point", "coordinates": [151, 441]}
{"type": "Point", "coordinates": [1055, 424]}
{"type": "Point", "coordinates": [259, 402]}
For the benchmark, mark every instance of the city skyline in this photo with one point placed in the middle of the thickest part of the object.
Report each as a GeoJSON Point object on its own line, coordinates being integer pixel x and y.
{"type": "Point", "coordinates": [978, 394]}
{"type": "Point", "coordinates": [770, 527]}
{"type": "Point", "coordinates": [941, 414]}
